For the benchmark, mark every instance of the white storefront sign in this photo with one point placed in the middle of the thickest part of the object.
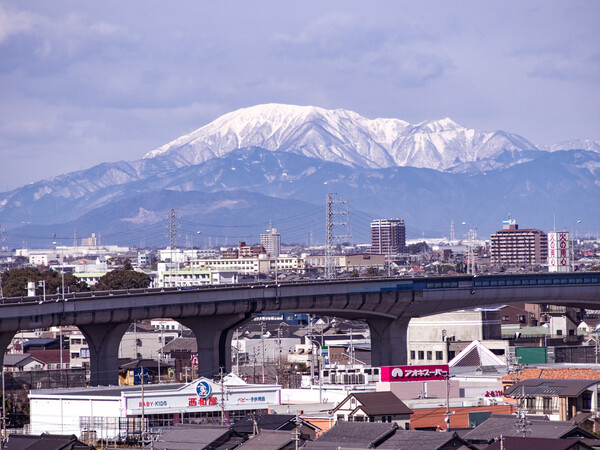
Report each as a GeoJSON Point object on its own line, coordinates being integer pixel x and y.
{"type": "Point", "coordinates": [202, 396]}
{"type": "Point", "coordinates": [559, 256]}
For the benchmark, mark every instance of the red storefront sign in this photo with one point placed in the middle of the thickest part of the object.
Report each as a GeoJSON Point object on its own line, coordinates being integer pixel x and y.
{"type": "Point", "coordinates": [414, 373]}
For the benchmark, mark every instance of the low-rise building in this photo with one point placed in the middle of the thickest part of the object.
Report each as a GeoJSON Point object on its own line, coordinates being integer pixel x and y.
{"type": "Point", "coordinates": [373, 407]}
{"type": "Point", "coordinates": [438, 338]}
{"type": "Point", "coordinates": [116, 412]}
{"type": "Point", "coordinates": [558, 399]}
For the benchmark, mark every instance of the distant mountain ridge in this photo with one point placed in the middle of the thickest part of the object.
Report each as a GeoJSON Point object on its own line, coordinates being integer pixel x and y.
{"type": "Point", "coordinates": [341, 136]}
{"type": "Point", "coordinates": [271, 160]}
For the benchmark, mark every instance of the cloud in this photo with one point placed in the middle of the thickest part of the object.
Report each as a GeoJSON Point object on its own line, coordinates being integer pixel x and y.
{"type": "Point", "coordinates": [15, 22]}
{"type": "Point", "coordinates": [348, 44]}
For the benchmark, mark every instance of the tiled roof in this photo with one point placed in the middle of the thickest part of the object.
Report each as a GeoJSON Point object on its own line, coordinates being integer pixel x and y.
{"type": "Point", "coordinates": [264, 422]}
{"type": "Point", "coordinates": [380, 403]}
{"type": "Point", "coordinates": [355, 434]}
{"type": "Point", "coordinates": [555, 374]}
{"type": "Point", "coordinates": [191, 437]}
{"type": "Point", "coordinates": [420, 440]}
{"type": "Point", "coordinates": [269, 439]}
{"type": "Point", "coordinates": [529, 443]}
{"type": "Point", "coordinates": [179, 344]}
{"type": "Point", "coordinates": [498, 425]}
{"type": "Point", "coordinates": [549, 388]}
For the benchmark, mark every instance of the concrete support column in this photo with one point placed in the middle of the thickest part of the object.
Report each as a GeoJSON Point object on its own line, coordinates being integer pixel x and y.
{"type": "Point", "coordinates": [5, 339]}
{"type": "Point", "coordinates": [213, 336]}
{"type": "Point", "coordinates": [103, 341]}
{"type": "Point", "coordinates": [388, 341]}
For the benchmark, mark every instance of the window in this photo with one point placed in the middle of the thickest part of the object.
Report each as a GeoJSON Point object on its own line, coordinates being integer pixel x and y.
{"type": "Point", "coordinates": [530, 404]}
{"type": "Point", "coordinates": [547, 405]}
{"type": "Point", "coordinates": [586, 401]}
{"type": "Point", "coordinates": [429, 355]}
{"type": "Point", "coordinates": [439, 356]}
{"type": "Point", "coordinates": [421, 354]}
{"type": "Point", "coordinates": [340, 417]}
{"type": "Point", "coordinates": [412, 354]}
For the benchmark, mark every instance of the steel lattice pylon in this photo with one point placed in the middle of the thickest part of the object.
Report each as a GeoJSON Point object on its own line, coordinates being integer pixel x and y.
{"type": "Point", "coordinates": [335, 208]}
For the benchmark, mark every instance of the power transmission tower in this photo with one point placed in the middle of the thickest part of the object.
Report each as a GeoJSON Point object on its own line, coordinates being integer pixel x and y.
{"type": "Point", "coordinates": [337, 229]}
{"type": "Point", "coordinates": [172, 231]}
{"type": "Point", "coordinates": [2, 229]}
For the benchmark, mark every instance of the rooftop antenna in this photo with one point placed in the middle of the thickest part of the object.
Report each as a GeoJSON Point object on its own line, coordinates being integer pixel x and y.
{"type": "Point", "coordinates": [452, 230]}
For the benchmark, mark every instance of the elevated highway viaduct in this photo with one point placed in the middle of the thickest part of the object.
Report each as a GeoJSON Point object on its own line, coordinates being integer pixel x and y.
{"type": "Point", "coordinates": [213, 313]}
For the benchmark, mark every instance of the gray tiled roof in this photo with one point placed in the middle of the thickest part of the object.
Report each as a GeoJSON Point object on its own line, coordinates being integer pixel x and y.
{"type": "Point", "coordinates": [380, 403]}
{"type": "Point", "coordinates": [551, 388]}
{"type": "Point", "coordinates": [497, 426]}
{"type": "Point", "coordinates": [184, 437]}
{"type": "Point", "coordinates": [356, 434]}
{"type": "Point", "coordinates": [526, 443]}
{"type": "Point", "coordinates": [419, 440]}
{"type": "Point", "coordinates": [268, 439]}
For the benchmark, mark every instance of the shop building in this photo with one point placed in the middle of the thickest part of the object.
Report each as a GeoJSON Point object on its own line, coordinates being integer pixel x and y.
{"type": "Point", "coordinates": [113, 412]}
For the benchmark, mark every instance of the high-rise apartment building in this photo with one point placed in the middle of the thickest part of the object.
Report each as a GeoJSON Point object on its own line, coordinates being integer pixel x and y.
{"type": "Point", "coordinates": [512, 246]}
{"type": "Point", "coordinates": [388, 236]}
{"type": "Point", "coordinates": [271, 242]}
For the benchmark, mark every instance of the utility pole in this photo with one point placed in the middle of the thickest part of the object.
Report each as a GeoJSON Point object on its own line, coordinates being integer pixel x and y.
{"type": "Point", "coordinates": [262, 338]}
{"type": "Point", "coordinates": [2, 229]}
{"type": "Point", "coordinates": [448, 413]}
{"type": "Point", "coordinates": [4, 410]}
{"type": "Point", "coordinates": [334, 208]}
{"type": "Point", "coordinates": [222, 395]}
{"type": "Point", "coordinates": [143, 407]}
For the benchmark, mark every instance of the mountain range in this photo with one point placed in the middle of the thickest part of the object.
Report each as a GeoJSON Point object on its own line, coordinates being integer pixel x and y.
{"type": "Point", "coordinates": [277, 163]}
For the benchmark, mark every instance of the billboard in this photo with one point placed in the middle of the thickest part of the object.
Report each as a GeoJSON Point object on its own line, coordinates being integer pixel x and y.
{"type": "Point", "coordinates": [559, 255]}
{"type": "Point", "coordinates": [414, 373]}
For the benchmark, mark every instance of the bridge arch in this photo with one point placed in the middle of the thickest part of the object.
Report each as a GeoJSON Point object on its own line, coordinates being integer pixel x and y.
{"type": "Point", "coordinates": [214, 312]}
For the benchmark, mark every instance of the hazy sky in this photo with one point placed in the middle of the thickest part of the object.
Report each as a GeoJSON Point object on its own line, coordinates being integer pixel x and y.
{"type": "Point", "coordinates": [88, 82]}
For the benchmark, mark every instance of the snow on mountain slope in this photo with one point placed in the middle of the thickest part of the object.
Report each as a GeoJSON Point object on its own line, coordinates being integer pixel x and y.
{"type": "Point", "coordinates": [575, 144]}
{"type": "Point", "coordinates": [340, 136]}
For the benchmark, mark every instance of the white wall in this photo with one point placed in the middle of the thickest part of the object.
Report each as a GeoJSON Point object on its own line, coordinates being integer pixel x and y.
{"type": "Point", "coordinates": [62, 416]}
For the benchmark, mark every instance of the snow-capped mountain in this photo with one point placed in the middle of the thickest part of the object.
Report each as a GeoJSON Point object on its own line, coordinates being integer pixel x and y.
{"type": "Point", "coordinates": [341, 136]}
{"type": "Point", "coordinates": [279, 161]}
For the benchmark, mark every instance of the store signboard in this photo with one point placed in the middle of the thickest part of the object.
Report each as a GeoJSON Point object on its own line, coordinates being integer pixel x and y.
{"type": "Point", "coordinates": [200, 396]}
{"type": "Point", "coordinates": [559, 256]}
{"type": "Point", "coordinates": [414, 373]}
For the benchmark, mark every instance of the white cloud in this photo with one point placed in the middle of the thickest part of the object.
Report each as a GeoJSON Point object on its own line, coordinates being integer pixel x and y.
{"type": "Point", "coordinates": [15, 22]}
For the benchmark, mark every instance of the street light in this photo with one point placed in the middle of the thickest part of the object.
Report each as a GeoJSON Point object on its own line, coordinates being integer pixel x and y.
{"type": "Point", "coordinates": [573, 244]}
{"type": "Point", "coordinates": [472, 234]}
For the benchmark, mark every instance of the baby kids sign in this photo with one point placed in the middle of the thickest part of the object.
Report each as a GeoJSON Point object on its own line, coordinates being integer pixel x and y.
{"type": "Point", "coordinates": [414, 373]}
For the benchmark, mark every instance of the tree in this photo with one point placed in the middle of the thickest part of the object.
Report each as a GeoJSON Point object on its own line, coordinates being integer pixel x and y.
{"type": "Point", "coordinates": [372, 271]}
{"type": "Point", "coordinates": [122, 279]}
{"type": "Point", "coordinates": [14, 282]}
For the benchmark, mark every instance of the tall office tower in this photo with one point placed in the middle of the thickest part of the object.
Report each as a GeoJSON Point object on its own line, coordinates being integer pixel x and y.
{"type": "Point", "coordinates": [388, 236]}
{"type": "Point", "coordinates": [271, 242]}
{"type": "Point", "coordinates": [512, 247]}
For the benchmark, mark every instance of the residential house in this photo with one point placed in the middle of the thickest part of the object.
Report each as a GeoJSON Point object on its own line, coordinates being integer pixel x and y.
{"type": "Point", "coordinates": [509, 425]}
{"type": "Point", "coordinates": [373, 407]}
{"type": "Point", "coordinates": [558, 399]}
{"type": "Point", "coordinates": [20, 362]}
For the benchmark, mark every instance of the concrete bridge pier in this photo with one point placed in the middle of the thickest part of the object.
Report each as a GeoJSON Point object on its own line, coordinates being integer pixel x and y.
{"type": "Point", "coordinates": [213, 336]}
{"type": "Point", "coordinates": [388, 341]}
{"type": "Point", "coordinates": [103, 341]}
{"type": "Point", "coordinates": [5, 339]}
